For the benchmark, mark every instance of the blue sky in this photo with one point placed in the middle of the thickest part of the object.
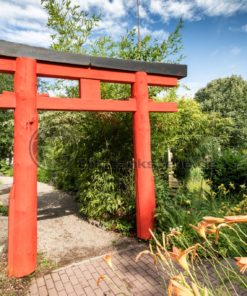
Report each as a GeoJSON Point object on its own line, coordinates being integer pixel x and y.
{"type": "Point", "coordinates": [214, 36]}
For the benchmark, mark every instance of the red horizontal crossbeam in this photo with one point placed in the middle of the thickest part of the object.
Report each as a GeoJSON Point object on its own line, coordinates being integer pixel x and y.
{"type": "Point", "coordinates": [7, 101]}
{"type": "Point", "coordinates": [162, 107]}
{"type": "Point", "coordinates": [60, 71]}
{"type": "Point", "coordinates": [46, 103]}
{"type": "Point", "coordinates": [7, 65]}
{"type": "Point", "coordinates": [72, 72]}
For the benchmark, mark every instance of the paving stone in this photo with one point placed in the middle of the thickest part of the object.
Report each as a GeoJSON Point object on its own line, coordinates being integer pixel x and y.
{"type": "Point", "coordinates": [52, 292]}
{"type": "Point", "coordinates": [40, 282]}
{"type": "Point", "coordinates": [59, 285]}
{"type": "Point", "coordinates": [89, 291]}
{"type": "Point", "coordinates": [55, 276]}
{"type": "Point", "coordinates": [62, 293]}
{"type": "Point", "coordinates": [68, 287]}
{"type": "Point", "coordinates": [49, 283]}
{"type": "Point", "coordinates": [43, 291]}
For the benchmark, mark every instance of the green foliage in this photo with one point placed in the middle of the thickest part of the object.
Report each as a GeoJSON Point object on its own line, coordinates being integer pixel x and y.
{"type": "Point", "coordinates": [190, 133]}
{"type": "Point", "coordinates": [228, 97]}
{"type": "Point", "coordinates": [6, 123]}
{"type": "Point", "coordinates": [3, 210]}
{"type": "Point", "coordinates": [240, 208]}
{"type": "Point", "coordinates": [6, 168]}
{"type": "Point", "coordinates": [196, 182]}
{"type": "Point", "coordinates": [90, 163]}
{"type": "Point", "coordinates": [95, 160]}
{"type": "Point", "coordinates": [70, 26]}
{"type": "Point", "coordinates": [149, 49]}
{"type": "Point", "coordinates": [227, 170]}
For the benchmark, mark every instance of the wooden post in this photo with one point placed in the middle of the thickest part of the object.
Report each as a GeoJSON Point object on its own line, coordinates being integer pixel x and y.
{"type": "Point", "coordinates": [22, 250]}
{"type": "Point", "coordinates": [145, 190]}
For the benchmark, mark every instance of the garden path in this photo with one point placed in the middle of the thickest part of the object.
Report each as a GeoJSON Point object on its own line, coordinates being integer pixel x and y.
{"type": "Point", "coordinates": [63, 235]}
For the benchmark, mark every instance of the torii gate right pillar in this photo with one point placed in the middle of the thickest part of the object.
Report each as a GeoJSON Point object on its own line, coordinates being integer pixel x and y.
{"type": "Point", "coordinates": [144, 179]}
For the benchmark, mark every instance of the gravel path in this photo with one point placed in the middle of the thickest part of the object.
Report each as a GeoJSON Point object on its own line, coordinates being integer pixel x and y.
{"type": "Point", "coordinates": [63, 235]}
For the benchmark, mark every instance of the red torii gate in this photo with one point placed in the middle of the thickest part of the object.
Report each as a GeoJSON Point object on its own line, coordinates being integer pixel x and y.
{"type": "Point", "coordinates": [27, 63]}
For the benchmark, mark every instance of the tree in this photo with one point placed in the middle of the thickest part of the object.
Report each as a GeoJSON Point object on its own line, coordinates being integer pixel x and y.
{"type": "Point", "coordinates": [228, 97]}
{"type": "Point", "coordinates": [70, 26]}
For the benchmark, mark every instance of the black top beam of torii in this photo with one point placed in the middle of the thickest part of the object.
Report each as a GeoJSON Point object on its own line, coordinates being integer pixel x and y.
{"type": "Point", "coordinates": [14, 50]}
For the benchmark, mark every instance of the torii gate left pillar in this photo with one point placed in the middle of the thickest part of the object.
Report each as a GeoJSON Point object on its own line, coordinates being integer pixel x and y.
{"type": "Point", "coordinates": [22, 245]}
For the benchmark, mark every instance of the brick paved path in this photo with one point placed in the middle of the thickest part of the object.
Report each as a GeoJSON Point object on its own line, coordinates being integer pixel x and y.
{"type": "Point", "coordinates": [78, 279]}
{"type": "Point", "coordinates": [130, 278]}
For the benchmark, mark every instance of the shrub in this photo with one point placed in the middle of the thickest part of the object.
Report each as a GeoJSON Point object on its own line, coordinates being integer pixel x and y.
{"type": "Point", "coordinates": [5, 168]}
{"type": "Point", "coordinates": [228, 169]}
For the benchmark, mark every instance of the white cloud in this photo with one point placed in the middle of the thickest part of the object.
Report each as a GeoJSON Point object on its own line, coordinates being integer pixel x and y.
{"type": "Point", "coordinates": [31, 37]}
{"type": "Point", "coordinates": [113, 28]}
{"type": "Point", "coordinates": [188, 88]}
{"type": "Point", "coordinates": [160, 34]}
{"type": "Point", "coordinates": [114, 8]}
{"type": "Point", "coordinates": [244, 28]}
{"type": "Point", "coordinates": [24, 22]}
{"type": "Point", "coordinates": [182, 9]}
{"type": "Point", "coordinates": [235, 50]}
{"type": "Point", "coordinates": [143, 13]}
{"type": "Point", "coordinates": [156, 34]}
{"type": "Point", "coordinates": [172, 9]}
{"type": "Point", "coordinates": [220, 7]}
{"type": "Point", "coordinates": [25, 11]}
{"type": "Point", "coordinates": [195, 9]}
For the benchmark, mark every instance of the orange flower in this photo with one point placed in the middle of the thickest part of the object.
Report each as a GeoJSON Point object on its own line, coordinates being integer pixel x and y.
{"type": "Point", "coordinates": [236, 219]}
{"type": "Point", "coordinates": [203, 228]}
{"type": "Point", "coordinates": [217, 233]}
{"type": "Point", "coordinates": [108, 260]}
{"type": "Point", "coordinates": [176, 287]}
{"type": "Point", "coordinates": [100, 278]}
{"type": "Point", "coordinates": [207, 226]}
{"type": "Point", "coordinates": [242, 263]}
{"type": "Point", "coordinates": [180, 256]}
{"type": "Point", "coordinates": [179, 287]}
{"type": "Point", "coordinates": [228, 219]}
{"type": "Point", "coordinates": [213, 220]}
{"type": "Point", "coordinates": [172, 233]}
